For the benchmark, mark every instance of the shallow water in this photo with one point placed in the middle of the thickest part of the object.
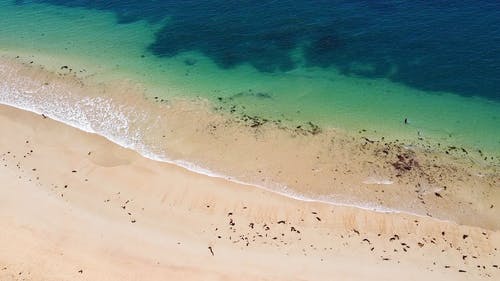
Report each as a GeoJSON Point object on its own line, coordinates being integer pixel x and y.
{"type": "Point", "coordinates": [368, 69]}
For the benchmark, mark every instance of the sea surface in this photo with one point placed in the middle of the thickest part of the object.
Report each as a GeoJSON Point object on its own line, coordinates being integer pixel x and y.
{"type": "Point", "coordinates": [345, 64]}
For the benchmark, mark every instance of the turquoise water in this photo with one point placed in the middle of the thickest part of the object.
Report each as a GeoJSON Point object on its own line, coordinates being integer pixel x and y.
{"type": "Point", "coordinates": [298, 87]}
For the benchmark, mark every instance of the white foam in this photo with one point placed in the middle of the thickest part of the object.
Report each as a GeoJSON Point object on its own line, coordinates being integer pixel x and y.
{"type": "Point", "coordinates": [377, 181]}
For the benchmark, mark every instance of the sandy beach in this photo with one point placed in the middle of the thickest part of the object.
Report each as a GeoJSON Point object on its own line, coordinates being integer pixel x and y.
{"type": "Point", "coordinates": [249, 140]}
{"type": "Point", "coordinates": [74, 206]}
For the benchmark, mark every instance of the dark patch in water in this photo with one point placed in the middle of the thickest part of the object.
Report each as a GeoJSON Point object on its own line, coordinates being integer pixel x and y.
{"type": "Point", "coordinates": [251, 93]}
{"type": "Point", "coordinates": [446, 45]}
{"type": "Point", "coordinates": [190, 62]}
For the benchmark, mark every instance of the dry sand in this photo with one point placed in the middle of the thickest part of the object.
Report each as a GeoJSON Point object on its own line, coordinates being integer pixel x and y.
{"type": "Point", "coordinates": [74, 206]}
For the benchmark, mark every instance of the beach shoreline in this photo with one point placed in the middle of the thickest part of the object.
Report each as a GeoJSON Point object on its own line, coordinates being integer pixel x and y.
{"type": "Point", "coordinates": [305, 162]}
{"type": "Point", "coordinates": [90, 209]}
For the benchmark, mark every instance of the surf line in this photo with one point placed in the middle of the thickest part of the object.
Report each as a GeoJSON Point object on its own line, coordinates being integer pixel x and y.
{"type": "Point", "coordinates": [191, 167]}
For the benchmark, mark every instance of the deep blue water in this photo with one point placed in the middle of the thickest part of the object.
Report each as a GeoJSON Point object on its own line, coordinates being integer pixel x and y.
{"type": "Point", "coordinates": [440, 45]}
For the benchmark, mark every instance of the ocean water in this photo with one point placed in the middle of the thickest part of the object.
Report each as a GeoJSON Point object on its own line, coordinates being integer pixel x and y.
{"type": "Point", "coordinates": [421, 44]}
{"type": "Point", "coordinates": [344, 64]}
{"type": "Point", "coordinates": [348, 64]}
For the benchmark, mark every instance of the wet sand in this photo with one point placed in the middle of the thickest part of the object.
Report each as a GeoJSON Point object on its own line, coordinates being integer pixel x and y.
{"type": "Point", "coordinates": [74, 206]}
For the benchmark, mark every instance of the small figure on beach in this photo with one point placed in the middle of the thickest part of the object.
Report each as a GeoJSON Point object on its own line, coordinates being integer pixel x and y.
{"type": "Point", "coordinates": [406, 120]}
